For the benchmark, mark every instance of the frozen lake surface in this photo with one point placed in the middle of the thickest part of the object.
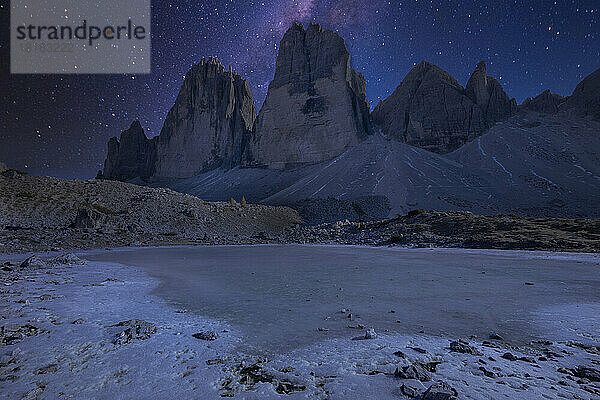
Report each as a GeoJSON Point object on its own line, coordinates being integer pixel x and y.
{"type": "Point", "coordinates": [279, 296]}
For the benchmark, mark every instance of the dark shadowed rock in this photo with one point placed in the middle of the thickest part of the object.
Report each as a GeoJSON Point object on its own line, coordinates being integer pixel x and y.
{"type": "Point", "coordinates": [489, 95]}
{"type": "Point", "coordinates": [316, 105]}
{"type": "Point", "coordinates": [429, 109]}
{"type": "Point", "coordinates": [14, 333]}
{"type": "Point", "coordinates": [585, 99]}
{"type": "Point", "coordinates": [208, 124]}
{"type": "Point", "coordinates": [68, 259]}
{"type": "Point", "coordinates": [206, 335]}
{"type": "Point", "coordinates": [414, 371]}
{"type": "Point", "coordinates": [412, 388]}
{"type": "Point", "coordinates": [135, 329]}
{"type": "Point", "coordinates": [33, 262]}
{"type": "Point", "coordinates": [128, 157]}
{"type": "Point", "coordinates": [440, 391]}
{"type": "Point", "coordinates": [587, 373]}
{"type": "Point", "coordinates": [461, 347]}
{"type": "Point", "coordinates": [545, 102]}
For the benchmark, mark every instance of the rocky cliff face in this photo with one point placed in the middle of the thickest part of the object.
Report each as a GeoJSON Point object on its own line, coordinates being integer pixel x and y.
{"type": "Point", "coordinates": [489, 95]}
{"type": "Point", "coordinates": [431, 110]}
{"type": "Point", "coordinates": [585, 99]}
{"type": "Point", "coordinates": [316, 105]}
{"type": "Point", "coordinates": [128, 157]}
{"type": "Point", "coordinates": [212, 116]}
{"type": "Point", "coordinates": [205, 129]}
{"type": "Point", "coordinates": [545, 102]}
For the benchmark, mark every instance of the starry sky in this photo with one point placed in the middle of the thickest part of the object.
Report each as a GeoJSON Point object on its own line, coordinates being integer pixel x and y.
{"type": "Point", "coordinates": [59, 124]}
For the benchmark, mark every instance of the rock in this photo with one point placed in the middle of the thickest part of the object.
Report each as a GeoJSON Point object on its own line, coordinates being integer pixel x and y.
{"type": "Point", "coordinates": [488, 373]}
{"type": "Point", "coordinates": [430, 110]}
{"type": "Point", "coordinates": [206, 335]}
{"type": "Point", "coordinates": [545, 102]}
{"type": "Point", "coordinates": [440, 391]}
{"type": "Point", "coordinates": [68, 259]}
{"type": "Point", "coordinates": [465, 348]}
{"type": "Point", "coordinates": [33, 262]}
{"type": "Point", "coordinates": [135, 329]}
{"type": "Point", "coordinates": [418, 349]}
{"type": "Point", "coordinates": [489, 95]}
{"type": "Point", "coordinates": [589, 373]}
{"type": "Point", "coordinates": [585, 99]}
{"type": "Point", "coordinates": [509, 356]}
{"type": "Point", "coordinates": [412, 388]}
{"type": "Point", "coordinates": [48, 369]}
{"type": "Point", "coordinates": [130, 156]}
{"type": "Point", "coordinates": [33, 393]}
{"type": "Point", "coordinates": [414, 371]}
{"type": "Point", "coordinates": [78, 321]}
{"type": "Point", "coordinates": [14, 333]}
{"type": "Point", "coordinates": [206, 128]}
{"type": "Point", "coordinates": [399, 354]}
{"type": "Point", "coordinates": [370, 334]}
{"type": "Point", "coordinates": [495, 336]}
{"type": "Point", "coordinates": [12, 174]}
{"type": "Point", "coordinates": [316, 105]}
{"type": "Point", "coordinates": [87, 218]}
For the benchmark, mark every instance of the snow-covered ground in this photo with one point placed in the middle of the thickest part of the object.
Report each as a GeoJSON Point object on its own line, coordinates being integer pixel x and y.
{"type": "Point", "coordinates": [285, 319]}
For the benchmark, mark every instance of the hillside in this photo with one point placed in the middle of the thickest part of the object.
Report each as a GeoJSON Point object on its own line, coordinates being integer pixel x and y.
{"type": "Point", "coordinates": [48, 213]}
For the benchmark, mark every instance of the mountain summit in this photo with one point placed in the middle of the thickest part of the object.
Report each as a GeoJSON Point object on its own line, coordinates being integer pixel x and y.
{"type": "Point", "coordinates": [316, 105]}
{"type": "Point", "coordinates": [431, 110]}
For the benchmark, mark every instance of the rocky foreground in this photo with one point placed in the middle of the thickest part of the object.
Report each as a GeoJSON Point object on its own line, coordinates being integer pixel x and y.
{"type": "Point", "coordinates": [43, 213]}
{"type": "Point", "coordinates": [77, 329]}
{"type": "Point", "coordinates": [49, 214]}
{"type": "Point", "coordinates": [420, 228]}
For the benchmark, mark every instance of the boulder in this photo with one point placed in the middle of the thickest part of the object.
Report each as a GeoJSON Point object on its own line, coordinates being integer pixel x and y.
{"type": "Point", "coordinates": [205, 129]}
{"type": "Point", "coordinates": [414, 371]}
{"type": "Point", "coordinates": [315, 106]}
{"type": "Point", "coordinates": [206, 335]}
{"type": "Point", "coordinates": [33, 262]}
{"type": "Point", "coordinates": [68, 259]}
{"type": "Point", "coordinates": [440, 391]}
{"type": "Point", "coordinates": [431, 110]}
{"type": "Point", "coordinates": [464, 348]}
{"type": "Point", "coordinates": [134, 329]}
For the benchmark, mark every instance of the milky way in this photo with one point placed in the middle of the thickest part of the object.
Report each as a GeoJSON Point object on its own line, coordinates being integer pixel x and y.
{"type": "Point", "coordinates": [59, 125]}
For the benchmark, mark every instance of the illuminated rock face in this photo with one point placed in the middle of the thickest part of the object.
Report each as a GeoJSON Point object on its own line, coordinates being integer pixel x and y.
{"type": "Point", "coordinates": [316, 105]}
{"type": "Point", "coordinates": [205, 129]}
{"type": "Point", "coordinates": [431, 110]}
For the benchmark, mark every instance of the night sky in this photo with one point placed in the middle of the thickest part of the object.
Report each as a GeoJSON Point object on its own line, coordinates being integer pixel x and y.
{"type": "Point", "coordinates": [59, 125]}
